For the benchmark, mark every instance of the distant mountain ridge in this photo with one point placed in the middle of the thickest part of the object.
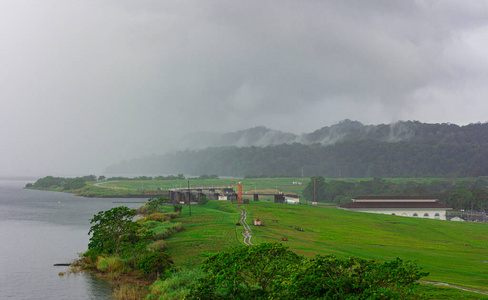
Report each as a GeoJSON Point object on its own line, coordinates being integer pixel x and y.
{"type": "Point", "coordinates": [345, 130]}
{"type": "Point", "coordinates": [256, 136]}
{"type": "Point", "coordinates": [346, 149]}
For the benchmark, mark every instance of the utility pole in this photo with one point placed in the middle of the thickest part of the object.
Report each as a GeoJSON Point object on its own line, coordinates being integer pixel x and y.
{"type": "Point", "coordinates": [314, 190]}
{"type": "Point", "coordinates": [189, 197]}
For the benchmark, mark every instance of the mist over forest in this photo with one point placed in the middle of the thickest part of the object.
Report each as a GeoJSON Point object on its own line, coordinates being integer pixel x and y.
{"type": "Point", "coordinates": [347, 149]}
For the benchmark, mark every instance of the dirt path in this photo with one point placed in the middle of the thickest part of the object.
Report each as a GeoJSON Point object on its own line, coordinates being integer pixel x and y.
{"type": "Point", "coordinates": [109, 187]}
{"type": "Point", "coordinates": [456, 287]}
{"type": "Point", "coordinates": [247, 230]}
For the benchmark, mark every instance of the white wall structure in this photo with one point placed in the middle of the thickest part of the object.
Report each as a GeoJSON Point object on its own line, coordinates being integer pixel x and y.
{"type": "Point", "coordinates": [421, 207]}
{"type": "Point", "coordinates": [292, 200]}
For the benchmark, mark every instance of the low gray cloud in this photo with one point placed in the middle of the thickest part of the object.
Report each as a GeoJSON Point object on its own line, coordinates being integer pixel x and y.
{"type": "Point", "coordinates": [85, 84]}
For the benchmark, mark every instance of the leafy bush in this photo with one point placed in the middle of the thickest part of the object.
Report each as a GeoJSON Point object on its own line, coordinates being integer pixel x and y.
{"type": "Point", "coordinates": [178, 208]}
{"type": "Point", "coordinates": [176, 286]}
{"type": "Point", "coordinates": [172, 215]}
{"type": "Point", "coordinates": [202, 201]}
{"type": "Point", "coordinates": [166, 229]}
{"type": "Point", "coordinates": [154, 262]}
{"type": "Point", "coordinates": [111, 264]}
{"type": "Point", "coordinates": [155, 205]}
{"type": "Point", "coordinates": [162, 217]}
{"type": "Point", "coordinates": [157, 245]}
{"type": "Point", "coordinates": [271, 271]}
{"type": "Point", "coordinates": [157, 217]}
{"type": "Point", "coordinates": [355, 278]}
{"type": "Point", "coordinates": [129, 291]}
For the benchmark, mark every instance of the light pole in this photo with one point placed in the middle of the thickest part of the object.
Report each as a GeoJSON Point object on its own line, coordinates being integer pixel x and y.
{"type": "Point", "coordinates": [189, 197]}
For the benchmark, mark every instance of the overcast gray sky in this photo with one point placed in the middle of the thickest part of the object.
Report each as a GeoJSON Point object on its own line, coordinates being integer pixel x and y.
{"type": "Point", "coordinates": [85, 84]}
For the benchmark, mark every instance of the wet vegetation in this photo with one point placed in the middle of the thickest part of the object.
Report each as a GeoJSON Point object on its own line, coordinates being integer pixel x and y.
{"type": "Point", "coordinates": [406, 149]}
{"type": "Point", "coordinates": [325, 231]}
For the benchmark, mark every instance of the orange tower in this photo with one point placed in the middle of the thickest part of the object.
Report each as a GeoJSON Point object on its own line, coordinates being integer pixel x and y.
{"type": "Point", "coordinates": [239, 193]}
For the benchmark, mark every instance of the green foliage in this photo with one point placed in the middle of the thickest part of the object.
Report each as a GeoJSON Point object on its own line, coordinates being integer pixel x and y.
{"type": "Point", "coordinates": [411, 149]}
{"type": "Point", "coordinates": [157, 245]}
{"type": "Point", "coordinates": [74, 183]}
{"type": "Point", "coordinates": [456, 194]}
{"type": "Point", "coordinates": [315, 190]}
{"type": "Point", "coordinates": [178, 208]}
{"type": "Point", "coordinates": [155, 205]}
{"type": "Point", "coordinates": [129, 291]}
{"type": "Point", "coordinates": [354, 278]}
{"type": "Point", "coordinates": [158, 217]}
{"type": "Point", "coordinates": [202, 201]}
{"type": "Point", "coordinates": [58, 183]}
{"type": "Point", "coordinates": [90, 178]}
{"type": "Point", "coordinates": [164, 230]}
{"type": "Point", "coordinates": [271, 271]}
{"type": "Point", "coordinates": [49, 182]}
{"type": "Point", "coordinates": [154, 262]}
{"type": "Point", "coordinates": [176, 286]}
{"type": "Point", "coordinates": [112, 264]}
{"type": "Point", "coordinates": [244, 272]}
{"type": "Point", "coordinates": [114, 229]}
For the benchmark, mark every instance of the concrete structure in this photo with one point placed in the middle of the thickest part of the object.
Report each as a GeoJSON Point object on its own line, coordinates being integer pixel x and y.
{"type": "Point", "coordinates": [413, 206]}
{"type": "Point", "coordinates": [292, 199]}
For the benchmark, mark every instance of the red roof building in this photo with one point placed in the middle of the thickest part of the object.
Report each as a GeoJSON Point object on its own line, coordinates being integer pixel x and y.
{"type": "Point", "coordinates": [410, 206]}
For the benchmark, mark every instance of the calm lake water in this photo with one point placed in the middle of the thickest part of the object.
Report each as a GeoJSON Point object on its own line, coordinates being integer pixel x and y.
{"type": "Point", "coordinates": [37, 232]}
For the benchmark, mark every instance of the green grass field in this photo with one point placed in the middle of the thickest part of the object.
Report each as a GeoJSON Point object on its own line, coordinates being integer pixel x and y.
{"type": "Point", "coordinates": [452, 252]}
{"type": "Point", "coordinates": [249, 185]}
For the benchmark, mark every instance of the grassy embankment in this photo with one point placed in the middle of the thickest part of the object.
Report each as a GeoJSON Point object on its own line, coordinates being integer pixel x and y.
{"type": "Point", "coordinates": [452, 252]}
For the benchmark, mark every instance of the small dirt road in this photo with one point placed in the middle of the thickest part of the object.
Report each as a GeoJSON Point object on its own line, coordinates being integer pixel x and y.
{"type": "Point", "coordinates": [247, 234]}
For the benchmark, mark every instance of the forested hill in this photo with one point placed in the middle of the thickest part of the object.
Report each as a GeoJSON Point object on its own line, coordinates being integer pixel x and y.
{"type": "Point", "coordinates": [347, 149]}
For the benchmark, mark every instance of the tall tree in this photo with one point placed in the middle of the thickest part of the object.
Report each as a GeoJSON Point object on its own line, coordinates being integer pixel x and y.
{"type": "Point", "coordinates": [114, 229]}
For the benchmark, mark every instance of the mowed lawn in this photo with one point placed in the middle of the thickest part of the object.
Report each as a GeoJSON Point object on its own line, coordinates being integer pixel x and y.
{"type": "Point", "coordinates": [453, 252]}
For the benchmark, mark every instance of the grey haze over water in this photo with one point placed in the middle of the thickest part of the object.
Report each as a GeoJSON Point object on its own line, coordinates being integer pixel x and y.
{"type": "Point", "coordinates": [85, 84]}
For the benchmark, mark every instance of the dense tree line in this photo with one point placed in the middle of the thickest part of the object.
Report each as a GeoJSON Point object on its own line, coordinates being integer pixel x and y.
{"type": "Point", "coordinates": [460, 195]}
{"type": "Point", "coordinates": [358, 159]}
{"type": "Point", "coordinates": [146, 178]}
{"type": "Point", "coordinates": [50, 182]}
{"type": "Point", "coordinates": [414, 150]}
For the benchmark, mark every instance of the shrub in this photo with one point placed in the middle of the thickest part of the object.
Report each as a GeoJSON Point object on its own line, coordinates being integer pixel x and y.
{"type": "Point", "coordinates": [148, 224]}
{"type": "Point", "coordinates": [271, 271]}
{"type": "Point", "coordinates": [154, 262]}
{"type": "Point", "coordinates": [172, 215]}
{"type": "Point", "coordinates": [178, 208]}
{"type": "Point", "coordinates": [202, 201]}
{"type": "Point", "coordinates": [157, 245]}
{"type": "Point", "coordinates": [174, 287]}
{"type": "Point", "coordinates": [158, 217]}
{"type": "Point", "coordinates": [129, 291]}
{"type": "Point", "coordinates": [166, 229]}
{"type": "Point", "coordinates": [112, 264]}
{"type": "Point", "coordinates": [143, 210]}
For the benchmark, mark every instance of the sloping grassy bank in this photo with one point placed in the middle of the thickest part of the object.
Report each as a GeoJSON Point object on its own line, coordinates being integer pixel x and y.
{"type": "Point", "coordinates": [452, 252]}
{"type": "Point", "coordinates": [209, 229]}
